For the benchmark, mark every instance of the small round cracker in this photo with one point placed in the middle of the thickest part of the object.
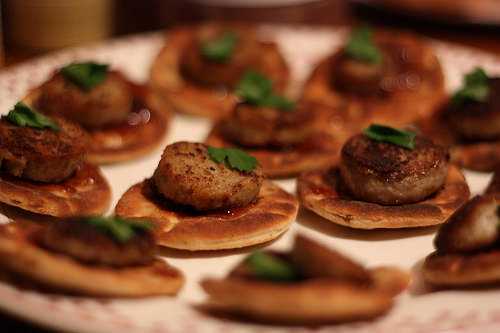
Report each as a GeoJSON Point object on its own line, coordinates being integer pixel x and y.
{"type": "Point", "coordinates": [85, 193]}
{"type": "Point", "coordinates": [320, 151]}
{"type": "Point", "coordinates": [318, 191]}
{"type": "Point", "coordinates": [20, 255]}
{"type": "Point", "coordinates": [265, 219]}
{"type": "Point", "coordinates": [417, 102]}
{"type": "Point", "coordinates": [187, 97]}
{"type": "Point", "coordinates": [459, 270]}
{"type": "Point", "coordinates": [139, 135]}
{"type": "Point", "coordinates": [312, 301]}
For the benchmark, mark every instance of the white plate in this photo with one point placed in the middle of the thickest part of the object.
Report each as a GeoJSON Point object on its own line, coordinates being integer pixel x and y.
{"type": "Point", "coordinates": [415, 311]}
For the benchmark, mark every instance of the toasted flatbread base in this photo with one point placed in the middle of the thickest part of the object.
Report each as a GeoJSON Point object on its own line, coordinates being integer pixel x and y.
{"type": "Point", "coordinates": [459, 270]}
{"type": "Point", "coordinates": [142, 133]}
{"type": "Point", "coordinates": [313, 301]}
{"type": "Point", "coordinates": [318, 192]}
{"type": "Point", "coordinates": [85, 193]}
{"type": "Point", "coordinates": [417, 102]}
{"type": "Point", "coordinates": [20, 254]}
{"type": "Point", "coordinates": [320, 151]}
{"type": "Point", "coordinates": [268, 217]}
{"type": "Point", "coordinates": [186, 97]}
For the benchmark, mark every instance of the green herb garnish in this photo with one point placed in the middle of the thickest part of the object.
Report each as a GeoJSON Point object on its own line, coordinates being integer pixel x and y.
{"type": "Point", "coordinates": [120, 229]}
{"type": "Point", "coordinates": [256, 89]}
{"type": "Point", "coordinates": [23, 115]}
{"type": "Point", "coordinates": [475, 88]}
{"type": "Point", "coordinates": [388, 134]}
{"type": "Point", "coordinates": [233, 157]}
{"type": "Point", "coordinates": [85, 75]}
{"type": "Point", "coordinates": [220, 49]}
{"type": "Point", "coordinates": [362, 47]}
{"type": "Point", "coordinates": [269, 267]}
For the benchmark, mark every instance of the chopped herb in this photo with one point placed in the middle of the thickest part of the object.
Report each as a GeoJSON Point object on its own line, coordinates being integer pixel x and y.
{"type": "Point", "coordinates": [233, 157]}
{"type": "Point", "coordinates": [256, 89]}
{"type": "Point", "coordinates": [23, 115]}
{"type": "Point", "coordinates": [85, 75]}
{"type": "Point", "coordinates": [120, 229]}
{"type": "Point", "coordinates": [475, 88]}
{"type": "Point", "coordinates": [395, 136]}
{"type": "Point", "coordinates": [269, 267]}
{"type": "Point", "coordinates": [220, 49]}
{"type": "Point", "coordinates": [362, 47]}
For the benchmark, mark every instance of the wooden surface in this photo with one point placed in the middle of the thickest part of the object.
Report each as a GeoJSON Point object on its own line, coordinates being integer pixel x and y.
{"type": "Point", "coordinates": [136, 16]}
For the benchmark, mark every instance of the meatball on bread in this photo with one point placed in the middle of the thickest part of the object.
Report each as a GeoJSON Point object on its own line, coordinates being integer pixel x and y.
{"type": "Point", "coordinates": [470, 123]}
{"type": "Point", "coordinates": [123, 120]}
{"type": "Point", "coordinates": [467, 252]}
{"type": "Point", "coordinates": [206, 198]}
{"type": "Point", "coordinates": [381, 72]}
{"type": "Point", "coordinates": [199, 66]}
{"type": "Point", "coordinates": [387, 178]}
{"type": "Point", "coordinates": [285, 137]}
{"type": "Point", "coordinates": [96, 256]}
{"type": "Point", "coordinates": [43, 168]}
{"type": "Point", "coordinates": [311, 284]}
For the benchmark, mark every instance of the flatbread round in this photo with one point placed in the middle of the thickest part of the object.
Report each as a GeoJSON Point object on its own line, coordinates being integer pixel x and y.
{"type": "Point", "coordinates": [20, 255]}
{"type": "Point", "coordinates": [419, 86]}
{"type": "Point", "coordinates": [312, 301]}
{"type": "Point", "coordinates": [458, 270]}
{"type": "Point", "coordinates": [187, 97]}
{"type": "Point", "coordinates": [319, 192]}
{"type": "Point", "coordinates": [268, 217]}
{"type": "Point", "coordinates": [139, 135]}
{"type": "Point", "coordinates": [85, 193]}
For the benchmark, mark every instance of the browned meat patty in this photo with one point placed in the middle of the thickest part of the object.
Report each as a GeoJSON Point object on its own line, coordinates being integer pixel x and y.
{"type": "Point", "coordinates": [110, 102]}
{"type": "Point", "coordinates": [253, 126]}
{"type": "Point", "coordinates": [186, 175]}
{"type": "Point", "coordinates": [88, 244]}
{"type": "Point", "coordinates": [384, 173]}
{"type": "Point", "coordinates": [227, 74]}
{"type": "Point", "coordinates": [42, 155]}
{"type": "Point", "coordinates": [477, 121]}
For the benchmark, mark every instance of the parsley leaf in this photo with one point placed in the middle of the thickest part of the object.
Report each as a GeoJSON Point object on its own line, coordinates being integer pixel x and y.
{"type": "Point", "coordinates": [405, 139]}
{"type": "Point", "coordinates": [269, 267]}
{"type": "Point", "coordinates": [220, 49]}
{"type": "Point", "coordinates": [85, 75]}
{"type": "Point", "coordinates": [362, 47]}
{"type": "Point", "coordinates": [256, 89]}
{"type": "Point", "coordinates": [475, 88]}
{"type": "Point", "coordinates": [23, 115]}
{"type": "Point", "coordinates": [120, 229]}
{"type": "Point", "coordinates": [233, 157]}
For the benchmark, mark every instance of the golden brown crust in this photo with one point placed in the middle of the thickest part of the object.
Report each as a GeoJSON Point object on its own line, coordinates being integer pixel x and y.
{"type": "Point", "coordinates": [318, 192]}
{"type": "Point", "coordinates": [20, 255]}
{"type": "Point", "coordinates": [265, 219]}
{"type": "Point", "coordinates": [85, 193]}
{"type": "Point", "coordinates": [320, 151]}
{"type": "Point", "coordinates": [143, 131]}
{"type": "Point", "coordinates": [422, 77]}
{"type": "Point", "coordinates": [187, 97]}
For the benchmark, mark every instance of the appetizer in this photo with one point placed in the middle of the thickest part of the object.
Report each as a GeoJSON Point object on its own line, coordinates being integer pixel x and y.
{"type": "Point", "coordinates": [43, 168]}
{"type": "Point", "coordinates": [387, 178]}
{"type": "Point", "coordinates": [311, 284]}
{"type": "Point", "coordinates": [91, 256]}
{"type": "Point", "coordinates": [381, 72]}
{"type": "Point", "coordinates": [470, 122]}
{"type": "Point", "coordinates": [199, 66]}
{"type": "Point", "coordinates": [123, 120]}
{"type": "Point", "coordinates": [285, 137]}
{"type": "Point", "coordinates": [467, 252]}
{"type": "Point", "coordinates": [207, 198]}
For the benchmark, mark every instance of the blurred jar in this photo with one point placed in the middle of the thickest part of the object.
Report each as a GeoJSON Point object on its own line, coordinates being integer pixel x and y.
{"type": "Point", "coordinates": [40, 25]}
